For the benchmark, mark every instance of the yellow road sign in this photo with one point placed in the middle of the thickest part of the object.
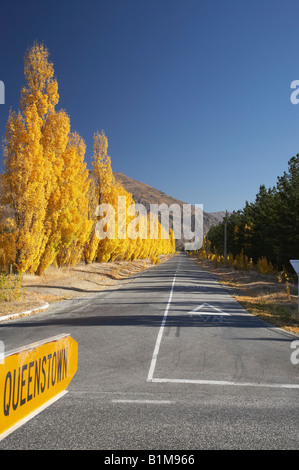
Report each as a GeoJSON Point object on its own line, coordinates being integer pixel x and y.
{"type": "Point", "coordinates": [32, 377]}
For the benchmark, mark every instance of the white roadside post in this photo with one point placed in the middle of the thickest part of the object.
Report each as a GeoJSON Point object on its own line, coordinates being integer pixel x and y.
{"type": "Point", "coordinates": [295, 264]}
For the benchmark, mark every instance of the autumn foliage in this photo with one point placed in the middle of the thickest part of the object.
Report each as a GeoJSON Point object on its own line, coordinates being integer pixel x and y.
{"type": "Point", "coordinates": [49, 201]}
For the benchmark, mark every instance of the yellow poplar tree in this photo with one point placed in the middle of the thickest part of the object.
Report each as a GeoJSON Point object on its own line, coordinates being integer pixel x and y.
{"type": "Point", "coordinates": [92, 241]}
{"type": "Point", "coordinates": [23, 185]}
{"type": "Point", "coordinates": [67, 192]}
{"type": "Point", "coordinates": [102, 166]}
{"type": "Point", "coordinates": [73, 222]}
{"type": "Point", "coordinates": [45, 174]}
{"type": "Point", "coordinates": [107, 192]}
{"type": "Point", "coordinates": [25, 169]}
{"type": "Point", "coordinates": [120, 246]}
{"type": "Point", "coordinates": [54, 142]}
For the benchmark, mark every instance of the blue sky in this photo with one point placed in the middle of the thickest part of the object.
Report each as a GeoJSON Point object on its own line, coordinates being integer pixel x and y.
{"type": "Point", "coordinates": [194, 95]}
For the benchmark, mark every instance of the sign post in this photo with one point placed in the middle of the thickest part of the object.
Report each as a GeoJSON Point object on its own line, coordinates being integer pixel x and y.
{"type": "Point", "coordinates": [295, 264]}
{"type": "Point", "coordinates": [33, 377]}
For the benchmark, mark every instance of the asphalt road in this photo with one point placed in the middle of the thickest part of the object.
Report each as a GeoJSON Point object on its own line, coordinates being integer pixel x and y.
{"type": "Point", "coordinates": [168, 361]}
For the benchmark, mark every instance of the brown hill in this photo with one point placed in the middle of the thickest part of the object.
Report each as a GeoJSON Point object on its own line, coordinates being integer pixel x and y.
{"type": "Point", "coordinates": [146, 195]}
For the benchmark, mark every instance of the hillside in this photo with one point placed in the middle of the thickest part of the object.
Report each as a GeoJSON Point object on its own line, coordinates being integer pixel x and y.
{"type": "Point", "coordinates": [146, 195]}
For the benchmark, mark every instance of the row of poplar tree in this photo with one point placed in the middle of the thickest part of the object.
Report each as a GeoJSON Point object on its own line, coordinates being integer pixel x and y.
{"type": "Point", "coordinates": [267, 227]}
{"type": "Point", "coordinates": [49, 201]}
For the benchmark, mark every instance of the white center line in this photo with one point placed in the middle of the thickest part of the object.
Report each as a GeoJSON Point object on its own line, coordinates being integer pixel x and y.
{"type": "Point", "coordinates": [160, 334]}
{"type": "Point", "coordinates": [226, 382]}
{"type": "Point", "coordinates": [150, 402]}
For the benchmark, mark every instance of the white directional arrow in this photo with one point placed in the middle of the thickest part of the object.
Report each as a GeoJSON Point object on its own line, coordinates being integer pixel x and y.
{"type": "Point", "coordinates": [196, 310]}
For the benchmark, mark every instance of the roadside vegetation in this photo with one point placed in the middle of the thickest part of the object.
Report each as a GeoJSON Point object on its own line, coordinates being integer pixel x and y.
{"type": "Point", "coordinates": [11, 288]}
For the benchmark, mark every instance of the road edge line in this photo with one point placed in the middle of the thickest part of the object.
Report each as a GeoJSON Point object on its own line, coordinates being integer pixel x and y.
{"type": "Point", "coordinates": [160, 334]}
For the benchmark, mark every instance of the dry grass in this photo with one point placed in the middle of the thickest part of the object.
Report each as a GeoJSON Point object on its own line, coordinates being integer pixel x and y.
{"type": "Point", "coordinates": [261, 295]}
{"type": "Point", "coordinates": [73, 282]}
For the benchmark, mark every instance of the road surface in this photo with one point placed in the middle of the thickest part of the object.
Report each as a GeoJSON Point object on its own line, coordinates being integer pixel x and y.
{"type": "Point", "coordinates": [168, 361]}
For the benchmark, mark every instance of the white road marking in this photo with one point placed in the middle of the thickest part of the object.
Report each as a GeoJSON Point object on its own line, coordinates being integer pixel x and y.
{"type": "Point", "coordinates": [199, 381]}
{"type": "Point", "coordinates": [150, 402]}
{"type": "Point", "coordinates": [225, 382]}
{"type": "Point", "coordinates": [207, 313]}
{"type": "Point", "coordinates": [160, 334]}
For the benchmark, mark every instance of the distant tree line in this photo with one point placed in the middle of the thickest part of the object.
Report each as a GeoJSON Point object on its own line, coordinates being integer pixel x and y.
{"type": "Point", "coordinates": [267, 227]}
